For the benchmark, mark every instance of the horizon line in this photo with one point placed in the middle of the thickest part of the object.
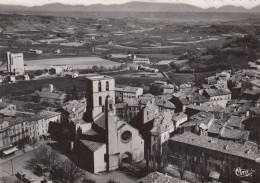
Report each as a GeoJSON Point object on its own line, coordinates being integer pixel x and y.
{"type": "Point", "coordinates": [86, 5]}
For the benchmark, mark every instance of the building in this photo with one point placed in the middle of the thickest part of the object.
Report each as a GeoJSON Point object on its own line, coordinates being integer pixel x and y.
{"type": "Point", "coordinates": [162, 130]}
{"type": "Point", "coordinates": [204, 154]}
{"type": "Point", "coordinates": [15, 63]}
{"type": "Point", "coordinates": [128, 92]}
{"type": "Point", "coordinates": [98, 87]}
{"type": "Point", "coordinates": [50, 95]}
{"type": "Point", "coordinates": [14, 131]}
{"type": "Point", "coordinates": [218, 96]}
{"type": "Point", "coordinates": [39, 124]}
{"type": "Point", "coordinates": [141, 61]}
{"type": "Point", "coordinates": [74, 109]}
{"type": "Point", "coordinates": [7, 109]}
{"type": "Point", "coordinates": [116, 142]}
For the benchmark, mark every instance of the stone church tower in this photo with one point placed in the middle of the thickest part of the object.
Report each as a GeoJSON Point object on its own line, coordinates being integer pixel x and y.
{"type": "Point", "coordinates": [112, 155]}
{"type": "Point", "coordinates": [98, 87]}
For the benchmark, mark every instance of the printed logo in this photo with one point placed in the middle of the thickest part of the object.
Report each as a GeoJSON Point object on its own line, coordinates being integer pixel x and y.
{"type": "Point", "coordinates": [244, 172]}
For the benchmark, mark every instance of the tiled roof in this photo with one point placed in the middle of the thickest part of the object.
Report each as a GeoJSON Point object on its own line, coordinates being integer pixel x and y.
{"type": "Point", "coordinates": [91, 132]}
{"type": "Point", "coordinates": [206, 108]}
{"type": "Point", "coordinates": [13, 120]}
{"type": "Point", "coordinates": [91, 145]}
{"type": "Point", "coordinates": [72, 104]}
{"type": "Point", "coordinates": [198, 119]}
{"type": "Point", "coordinates": [163, 122]}
{"type": "Point", "coordinates": [179, 116]}
{"type": "Point", "coordinates": [235, 121]}
{"type": "Point", "coordinates": [217, 92]}
{"type": "Point", "coordinates": [41, 115]}
{"type": "Point", "coordinates": [160, 178]}
{"type": "Point", "coordinates": [164, 103]}
{"type": "Point", "coordinates": [216, 126]}
{"type": "Point", "coordinates": [234, 134]}
{"type": "Point", "coordinates": [245, 150]}
{"type": "Point", "coordinates": [101, 121]}
{"type": "Point", "coordinates": [3, 105]}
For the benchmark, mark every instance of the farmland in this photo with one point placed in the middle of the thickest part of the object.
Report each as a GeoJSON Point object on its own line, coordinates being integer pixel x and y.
{"type": "Point", "coordinates": [75, 62]}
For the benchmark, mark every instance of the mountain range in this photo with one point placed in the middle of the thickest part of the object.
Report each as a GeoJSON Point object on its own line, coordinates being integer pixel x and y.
{"type": "Point", "coordinates": [127, 7]}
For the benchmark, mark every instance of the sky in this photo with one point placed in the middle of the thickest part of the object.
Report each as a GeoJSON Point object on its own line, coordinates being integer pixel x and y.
{"type": "Point", "coordinates": [199, 3]}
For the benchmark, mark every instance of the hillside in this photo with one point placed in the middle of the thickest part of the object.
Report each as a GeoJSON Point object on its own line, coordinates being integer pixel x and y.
{"type": "Point", "coordinates": [127, 7]}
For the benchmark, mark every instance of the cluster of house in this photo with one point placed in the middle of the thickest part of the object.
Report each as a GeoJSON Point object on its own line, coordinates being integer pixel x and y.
{"type": "Point", "coordinates": [18, 128]}
{"type": "Point", "coordinates": [204, 127]}
{"type": "Point", "coordinates": [212, 128]}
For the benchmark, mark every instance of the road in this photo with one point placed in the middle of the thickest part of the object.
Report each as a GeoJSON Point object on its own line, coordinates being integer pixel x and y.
{"type": "Point", "coordinates": [19, 163]}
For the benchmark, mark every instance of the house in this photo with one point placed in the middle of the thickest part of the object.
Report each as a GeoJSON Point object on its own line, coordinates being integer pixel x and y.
{"type": "Point", "coordinates": [48, 94]}
{"type": "Point", "coordinates": [39, 124]}
{"type": "Point", "coordinates": [14, 132]}
{"type": "Point", "coordinates": [162, 130]}
{"type": "Point", "coordinates": [72, 109]}
{"type": "Point", "coordinates": [206, 154]}
{"type": "Point", "coordinates": [35, 51]}
{"type": "Point", "coordinates": [7, 109]}
{"type": "Point", "coordinates": [26, 77]}
{"type": "Point", "coordinates": [141, 61]}
{"type": "Point", "coordinates": [218, 96]}
{"type": "Point", "coordinates": [128, 92]}
{"type": "Point", "coordinates": [198, 123]}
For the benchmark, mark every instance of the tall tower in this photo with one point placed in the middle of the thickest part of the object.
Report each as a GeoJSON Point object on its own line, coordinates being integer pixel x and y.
{"type": "Point", "coordinates": [98, 87]}
{"type": "Point", "coordinates": [112, 155]}
{"type": "Point", "coordinates": [15, 63]}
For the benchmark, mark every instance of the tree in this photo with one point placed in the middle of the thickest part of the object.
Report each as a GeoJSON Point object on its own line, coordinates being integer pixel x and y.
{"type": "Point", "coordinates": [44, 156]}
{"type": "Point", "coordinates": [87, 180]}
{"type": "Point", "coordinates": [36, 98]}
{"type": "Point", "coordinates": [111, 181]}
{"type": "Point", "coordinates": [71, 173]}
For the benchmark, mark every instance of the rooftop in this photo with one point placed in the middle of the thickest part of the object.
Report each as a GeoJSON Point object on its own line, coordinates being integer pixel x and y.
{"type": "Point", "coordinates": [160, 178]}
{"type": "Point", "coordinates": [3, 105]}
{"type": "Point", "coordinates": [97, 77]}
{"type": "Point", "coordinates": [246, 150]}
{"type": "Point", "coordinates": [41, 115]}
{"type": "Point", "coordinates": [91, 145]}
{"type": "Point", "coordinates": [199, 118]}
{"type": "Point", "coordinates": [217, 92]}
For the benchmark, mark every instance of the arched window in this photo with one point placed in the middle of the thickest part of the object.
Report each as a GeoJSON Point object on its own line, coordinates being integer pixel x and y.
{"type": "Point", "coordinates": [107, 86]}
{"type": "Point", "coordinates": [100, 100]}
{"type": "Point", "coordinates": [99, 86]}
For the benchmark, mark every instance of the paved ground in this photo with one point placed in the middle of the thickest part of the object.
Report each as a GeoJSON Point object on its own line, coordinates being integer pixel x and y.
{"type": "Point", "coordinates": [20, 158]}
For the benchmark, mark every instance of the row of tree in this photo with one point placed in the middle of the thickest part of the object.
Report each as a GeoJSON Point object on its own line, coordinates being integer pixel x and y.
{"type": "Point", "coordinates": [59, 168]}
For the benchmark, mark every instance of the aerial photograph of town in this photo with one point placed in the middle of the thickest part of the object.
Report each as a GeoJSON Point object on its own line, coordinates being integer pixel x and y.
{"type": "Point", "coordinates": [130, 91]}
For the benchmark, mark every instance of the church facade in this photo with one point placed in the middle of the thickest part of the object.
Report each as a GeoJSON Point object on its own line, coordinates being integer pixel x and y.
{"type": "Point", "coordinates": [110, 142]}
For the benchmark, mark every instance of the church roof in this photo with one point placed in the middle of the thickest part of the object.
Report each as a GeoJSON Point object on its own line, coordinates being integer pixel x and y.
{"type": "Point", "coordinates": [101, 121]}
{"type": "Point", "coordinates": [91, 145]}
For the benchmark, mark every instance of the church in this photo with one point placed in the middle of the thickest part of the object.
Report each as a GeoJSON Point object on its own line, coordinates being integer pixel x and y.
{"type": "Point", "coordinates": [110, 142]}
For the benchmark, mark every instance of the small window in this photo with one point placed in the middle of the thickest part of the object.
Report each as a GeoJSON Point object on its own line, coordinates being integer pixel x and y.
{"type": "Point", "coordinates": [99, 86]}
{"type": "Point", "coordinates": [107, 86]}
{"type": "Point", "coordinates": [100, 100]}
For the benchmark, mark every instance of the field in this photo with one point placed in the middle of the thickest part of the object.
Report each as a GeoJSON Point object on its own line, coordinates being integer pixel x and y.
{"type": "Point", "coordinates": [76, 62]}
{"type": "Point", "coordinates": [28, 87]}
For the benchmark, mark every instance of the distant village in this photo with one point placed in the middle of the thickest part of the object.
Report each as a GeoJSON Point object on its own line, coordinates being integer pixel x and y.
{"type": "Point", "coordinates": [209, 129]}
